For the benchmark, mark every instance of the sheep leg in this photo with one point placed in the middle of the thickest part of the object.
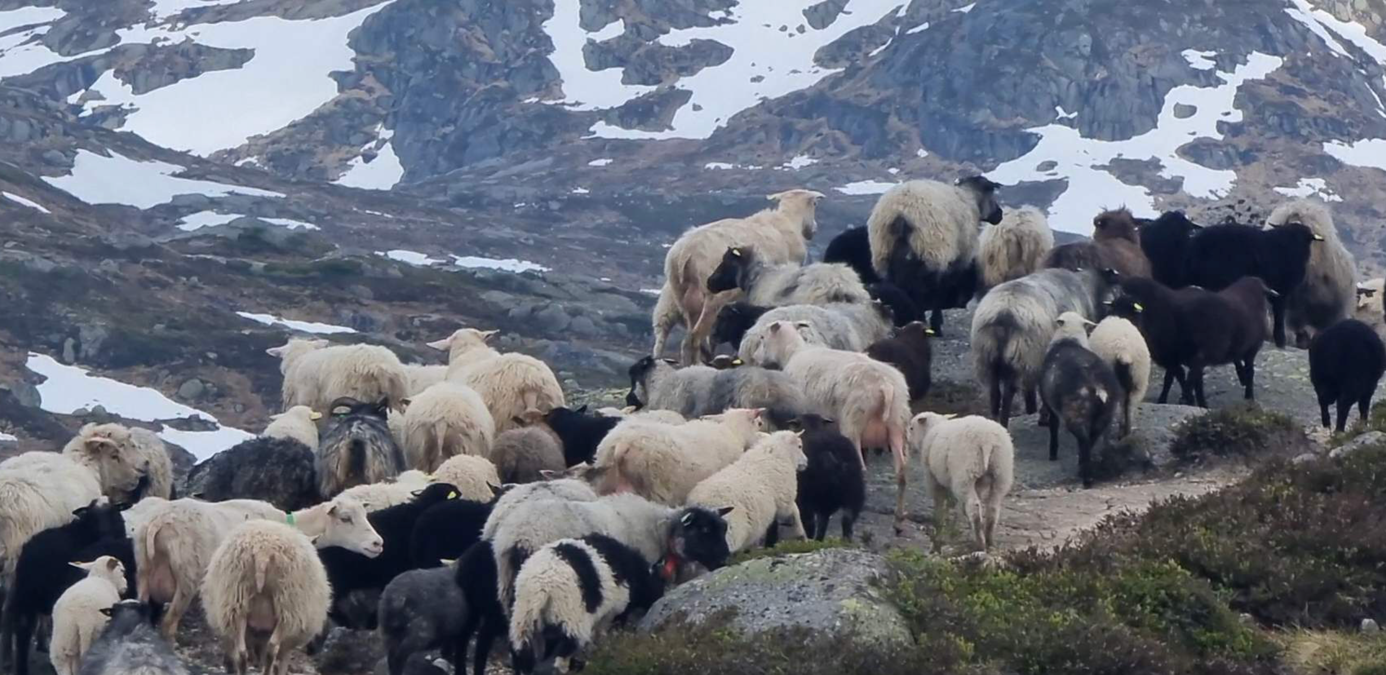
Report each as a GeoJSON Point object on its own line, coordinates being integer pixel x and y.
{"type": "Point", "coordinates": [1126, 404]}
{"type": "Point", "coordinates": [1085, 460]}
{"type": "Point", "coordinates": [1171, 373]}
{"type": "Point", "coordinates": [849, 518]}
{"type": "Point", "coordinates": [490, 630]}
{"type": "Point", "coordinates": [1196, 383]}
{"type": "Point", "coordinates": [1278, 311]}
{"type": "Point", "coordinates": [941, 515]}
{"type": "Point", "coordinates": [178, 606]}
{"type": "Point", "coordinates": [1344, 409]}
{"type": "Point", "coordinates": [1323, 411]}
{"type": "Point", "coordinates": [772, 535]}
{"type": "Point", "coordinates": [897, 449]}
{"type": "Point", "coordinates": [236, 650]}
{"type": "Point", "coordinates": [1364, 408]}
{"type": "Point", "coordinates": [1250, 378]}
{"type": "Point", "coordinates": [1031, 401]}
{"type": "Point", "coordinates": [972, 506]}
{"type": "Point", "coordinates": [1053, 436]}
{"type": "Point", "coordinates": [1007, 397]}
{"type": "Point", "coordinates": [995, 398]}
{"type": "Point", "coordinates": [797, 521]}
{"type": "Point", "coordinates": [936, 321]}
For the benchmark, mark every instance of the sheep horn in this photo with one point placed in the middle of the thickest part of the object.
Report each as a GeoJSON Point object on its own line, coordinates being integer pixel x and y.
{"type": "Point", "coordinates": [314, 415]}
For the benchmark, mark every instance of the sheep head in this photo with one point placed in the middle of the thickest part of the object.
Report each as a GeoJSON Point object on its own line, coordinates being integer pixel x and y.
{"type": "Point", "coordinates": [983, 192]}
{"type": "Point", "coordinates": [731, 273]}
{"type": "Point", "coordinates": [349, 528]}
{"type": "Point", "coordinates": [801, 204]}
{"type": "Point", "coordinates": [700, 534]}
{"type": "Point", "coordinates": [109, 450]}
{"type": "Point", "coordinates": [1115, 224]}
{"type": "Point", "coordinates": [105, 567]}
{"type": "Point", "coordinates": [464, 340]}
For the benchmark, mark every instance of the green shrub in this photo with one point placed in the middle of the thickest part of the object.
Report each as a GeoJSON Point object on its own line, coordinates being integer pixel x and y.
{"type": "Point", "coordinates": [1240, 432]}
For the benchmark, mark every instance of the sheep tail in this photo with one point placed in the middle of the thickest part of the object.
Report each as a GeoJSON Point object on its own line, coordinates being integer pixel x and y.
{"type": "Point", "coordinates": [888, 401]}
{"type": "Point", "coordinates": [262, 565]}
{"type": "Point", "coordinates": [530, 398]}
{"type": "Point", "coordinates": [1124, 377]}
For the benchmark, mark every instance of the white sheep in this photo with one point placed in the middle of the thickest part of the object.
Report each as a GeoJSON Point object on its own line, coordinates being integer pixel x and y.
{"type": "Point", "coordinates": [661, 416]}
{"type": "Point", "coordinates": [1328, 293]}
{"type": "Point", "coordinates": [316, 374]}
{"type": "Point", "coordinates": [77, 616]}
{"type": "Point", "coordinates": [474, 477]}
{"type": "Point", "coordinates": [870, 400]}
{"type": "Point", "coordinates": [1014, 247]}
{"type": "Point", "coordinates": [38, 491]}
{"type": "Point", "coordinates": [447, 419]}
{"type": "Point", "coordinates": [1369, 308]}
{"type": "Point", "coordinates": [1122, 346]}
{"type": "Point", "coordinates": [973, 459]}
{"type": "Point", "coordinates": [511, 384]}
{"type": "Point", "coordinates": [422, 377]}
{"type": "Point", "coordinates": [769, 284]}
{"type": "Point", "coordinates": [847, 326]}
{"type": "Point", "coordinates": [779, 235]}
{"type": "Point", "coordinates": [664, 318]}
{"type": "Point", "coordinates": [123, 458]}
{"type": "Point", "coordinates": [761, 487]}
{"type": "Point", "coordinates": [398, 490]}
{"type": "Point", "coordinates": [266, 577]}
{"type": "Point", "coordinates": [662, 462]}
{"type": "Point", "coordinates": [297, 423]}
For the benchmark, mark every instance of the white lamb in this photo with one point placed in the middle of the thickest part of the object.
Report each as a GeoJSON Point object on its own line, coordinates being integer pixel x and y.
{"type": "Point", "coordinates": [474, 477]}
{"type": "Point", "coordinates": [1122, 346]}
{"type": "Point", "coordinates": [77, 617]}
{"type": "Point", "coordinates": [511, 384]}
{"type": "Point", "coordinates": [761, 488]}
{"type": "Point", "coordinates": [445, 420]}
{"type": "Point", "coordinates": [973, 459]}
{"type": "Point", "coordinates": [315, 374]}
{"type": "Point", "coordinates": [297, 423]}
{"type": "Point", "coordinates": [129, 462]}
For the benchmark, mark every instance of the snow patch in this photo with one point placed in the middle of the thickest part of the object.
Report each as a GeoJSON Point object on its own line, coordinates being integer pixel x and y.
{"type": "Point", "coordinates": [381, 173]}
{"type": "Point", "coordinates": [880, 49]}
{"type": "Point", "coordinates": [601, 162]}
{"type": "Point", "coordinates": [580, 191]}
{"type": "Point", "coordinates": [798, 162]}
{"type": "Point", "coordinates": [1310, 187]}
{"type": "Point", "coordinates": [164, 9]}
{"type": "Point", "coordinates": [201, 219]}
{"type": "Point", "coordinates": [472, 262]}
{"type": "Point", "coordinates": [304, 326]}
{"type": "Point", "coordinates": [719, 166]}
{"type": "Point", "coordinates": [1301, 13]}
{"type": "Point", "coordinates": [865, 187]}
{"type": "Point", "coordinates": [650, 291]}
{"type": "Point", "coordinates": [20, 53]}
{"type": "Point", "coordinates": [1063, 114]}
{"type": "Point", "coordinates": [25, 202]}
{"type": "Point", "coordinates": [584, 89]}
{"type": "Point", "coordinates": [411, 257]}
{"type": "Point", "coordinates": [921, 153]}
{"type": "Point", "coordinates": [1353, 32]}
{"type": "Point", "coordinates": [965, 8]}
{"type": "Point", "coordinates": [1370, 152]}
{"type": "Point", "coordinates": [918, 29]}
{"type": "Point", "coordinates": [290, 223]}
{"type": "Point", "coordinates": [68, 389]}
{"type": "Point", "coordinates": [117, 179]}
{"type": "Point", "coordinates": [7, 437]}
{"type": "Point", "coordinates": [1200, 60]}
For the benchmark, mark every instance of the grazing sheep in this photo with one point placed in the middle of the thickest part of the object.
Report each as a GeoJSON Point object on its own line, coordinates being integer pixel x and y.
{"type": "Point", "coordinates": [765, 283]}
{"type": "Point", "coordinates": [1327, 294]}
{"type": "Point", "coordinates": [422, 377]}
{"type": "Point", "coordinates": [761, 487]}
{"type": "Point", "coordinates": [562, 489]}
{"type": "Point", "coordinates": [1122, 346]}
{"type": "Point", "coordinates": [571, 590]}
{"type": "Point", "coordinates": [665, 317]}
{"type": "Point", "coordinates": [280, 471]}
{"type": "Point", "coordinates": [869, 399]}
{"type": "Point", "coordinates": [1079, 390]}
{"type": "Point", "coordinates": [358, 448]}
{"type": "Point", "coordinates": [970, 458]}
{"type": "Point", "coordinates": [392, 492]}
{"type": "Point", "coordinates": [853, 249]}
{"type": "Point", "coordinates": [1371, 304]}
{"type": "Point", "coordinates": [1222, 254]}
{"type": "Point", "coordinates": [1165, 242]}
{"type": "Point", "coordinates": [780, 235]}
{"type": "Point", "coordinates": [77, 617]}
{"type": "Point", "coordinates": [833, 480]}
{"type": "Point", "coordinates": [522, 455]}
{"type": "Point", "coordinates": [130, 645]}
{"type": "Point", "coordinates": [421, 610]}
{"type": "Point", "coordinates": [265, 578]}
{"type": "Point", "coordinates": [122, 457]}
{"type": "Point", "coordinates": [298, 423]}
{"type": "Point", "coordinates": [38, 491]}
{"type": "Point", "coordinates": [697, 391]}
{"type": "Point", "coordinates": [1345, 365]}
{"type": "Point", "coordinates": [316, 374]}
{"type": "Point", "coordinates": [446, 420]}
{"type": "Point", "coordinates": [1013, 324]}
{"type": "Point", "coordinates": [924, 240]}
{"type": "Point", "coordinates": [909, 351]}
{"type": "Point", "coordinates": [847, 326]}
{"type": "Point", "coordinates": [579, 431]}
{"type": "Point", "coordinates": [662, 462]}
{"type": "Point", "coordinates": [474, 477]}
{"type": "Point", "coordinates": [511, 384]}
{"type": "Point", "coordinates": [1014, 247]}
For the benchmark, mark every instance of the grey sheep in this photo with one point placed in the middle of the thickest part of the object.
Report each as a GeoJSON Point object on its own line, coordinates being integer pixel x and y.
{"type": "Point", "coordinates": [696, 391]}
{"type": "Point", "coordinates": [522, 455]}
{"type": "Point", "coordinates": [1329, 291]}
{"type": "Point", "coordinates": [421, 610]}
{"type": "Point", "coordinates": [770, 284]}
{"type": "Point", "coordinates": [130, 645]}
{"type": "Point", "coordinates": [848, 326]}
{"type": "Point", "coordinates": [358, 448]}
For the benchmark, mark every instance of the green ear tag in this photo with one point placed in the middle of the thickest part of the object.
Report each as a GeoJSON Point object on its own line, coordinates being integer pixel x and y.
{"type": "Point", "coordinates": [289, 519]}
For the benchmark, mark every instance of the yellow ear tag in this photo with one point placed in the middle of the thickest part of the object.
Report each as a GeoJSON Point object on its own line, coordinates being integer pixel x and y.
{"type": "Point", "coordinates": [736, 362]}
{"type": "Point", "coordinates": [929, 331]}
{"type": "Point", "coordinates": [1138, 307]}
{"type": "Point", "coordinates": [736, 252]}
{"type": "Point", "coordinates": [452, 495]}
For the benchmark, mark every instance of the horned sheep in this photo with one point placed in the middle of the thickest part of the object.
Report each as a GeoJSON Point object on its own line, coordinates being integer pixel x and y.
{"type": "Point", "coordinates": [358, 448]}
{"type": "Point", "coordinates": [316, 374]}
{"type": "Point", "coordinates": [970, 458]}
{"type": "Point", "coordinates": [446, 420]}
{"type": "Point", "coordinates": [770, 284]}
{"type": "Point", "coordinates": [761, 488]}
{"type": "Point", "coordinates": [1328, 293]}
{"type": "Point", "coordinates": [1014, 247]}
{"type": "Point", "coordinates": [123, 458]}
{"type": "Point", "coordinates": [77, 617]}
{"type": "Point", "coordinates": [510, 384]}
{"type": "Point", "coordinates": [696, 391]}
{"type": "Point", "coordinates": [1122, 346]}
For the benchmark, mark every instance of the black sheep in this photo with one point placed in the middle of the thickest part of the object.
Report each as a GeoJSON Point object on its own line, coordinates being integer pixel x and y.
{"type": "Point", "coordinates": [1222, 254]}
{"type": "Point", "coordinates": [1079, 390]}
{"type": "Point", "coordinates": [1346, 362]}
{"type": "Point", "coordinates": [580, 432]}
{"type": "Point", "coordinates": [422, 610]}
{"type": "Point", "coordinates": [276, 470]}
{"type": "Point", "coordinates": [833, 480]}
{"type": "Point", "coordinates": [1165, 241]}
{"type": "Point", "coordinates": [909, 351]}
{"type": "Point", "coordinates": [853, 249]}
{"type": "Point", "coordinates": [903, 311]}
{"type": "Point", "coordinates": [446, 530]}
{"type": "Point", "coordinates": [733, 321]}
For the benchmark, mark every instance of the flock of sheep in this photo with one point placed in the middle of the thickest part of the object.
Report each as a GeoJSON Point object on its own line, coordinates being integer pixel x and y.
{"type": "Point", "coordinates": [443, 506]}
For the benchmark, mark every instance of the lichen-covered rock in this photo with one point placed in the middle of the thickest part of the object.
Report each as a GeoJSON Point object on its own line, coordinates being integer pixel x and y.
{"type": "Point", "coordinates": [1365, 440]}
{"type": "Point", "coordinates": [834, 590]}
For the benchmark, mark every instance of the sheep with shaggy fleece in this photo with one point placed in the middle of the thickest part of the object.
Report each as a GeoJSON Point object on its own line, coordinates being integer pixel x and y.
{"type": "Point", "coordinates": [870, 400]}
{"type": "Point", "coordinates": [924, 239]}
{"type": "Point", "coordinates": [663, 462]}
{"type": "Point", "coordinates": [280, 471]}
{"type": "Point", "coordinates": [387, 493]}
{"type": "Point", "coordinates": [696, 391]}
{"type": "Point", "coordinates": [122, 458]}
{"type": "Point", "coordinates": [422, 377]}
{"type": "Point", "coordinates": [1014, 247]}
{"type": "Point", "coordinates": [358, 447]}
{"type": "Point", "coordinates": [298, 423]}
{"type": "Point", "coordinates": [1371, 305]}
{"type": "Point", "coordinates": [1122, 346]}
{"type": "Point", "coordinates": [847, 326]}
{"type": "Point", "coordinates": [562, 489]}
{"type": "Point", "coordinates": [130, 646]}
{"type": "Point", "coordinates": [446, 420]}
{"type": "Point", "coordinates": [315, 374]}
{"type": "Point", "coordinates": [38, 491]}
{"type": "Point", "coordinates": [761, 487]}
{"type": "Point", "coordinates": [973, 459]}
{"type": "Point", "coordinates": [770, 284]}
{"type": "Point", "coordinates": [77, 617]}
{"type": "Point", "coordinates": [474, 477]}
{"type": "Point", "coordinates": [1328, 293]}
{"type": "Point", "coordinates": [523, 455]}
{"type": "Point", "coordinates": [511, 384]}
{"type": "Point", "coordinates": [663, 319]}
{"type": "Point", "coordinates": [780, 235]}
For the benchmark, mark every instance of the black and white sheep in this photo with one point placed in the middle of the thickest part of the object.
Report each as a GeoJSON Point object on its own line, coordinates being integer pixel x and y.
{"type": "Point", "coordinates": [1222, 254]}
{"type": "Point", "coordinates": [358, 448]}
{"type": "Point", "coordinates": [769, 284]}
{"type": "Point", "coordinates": [1329, 291]}
{"type": "Point", "coordinates": [130, 646]}
{"type": "Point", "coordinates": [1346, 362]}
{"type": "Point", "coordinates": [1122, 346]}
{"type": "Point", "coordinates": [1079, 390]}
{"type": "Point", "coordinates": [833, 481]}
{"type": "Point", "coordinates": [910, 352]}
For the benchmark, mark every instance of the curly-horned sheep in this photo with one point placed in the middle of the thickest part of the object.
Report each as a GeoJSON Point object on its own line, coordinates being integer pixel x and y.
{"type": "Point", "coordinates": [1345, 366]}
{"type": "Point", "coordinates": [1014, 247]}
{"type": "Point", "coordinates": [761, 487]}
{"type": "Point", "coordinates": [316, 374]}
{"type": "Point", "coordinates": [853, 248]}
{"type": "Point", "coordinates": [1328, 293]}
{"type": "Point", "coordinates": [696, 391]}
{"type": "Point", "coordinates": [265, 578]}
{"type": "Point", "coordinates": [1220, 255]}
{"type": "Point", "coordinates": [276, 470]}
{"type": "Point", "coordinates": [869, 399]}
{"type": "Point", "coordinates": [970, 458]}
{"type": "Point", "coordinates": [522, 455]}
{"type": "Point", "coordinates": [422, 377]}
{"type": "Point", "coordinates": [571, 590]}
{"type": "Point", "coordinates": [511, 384]}
{"type": "Point", "coordinates": [1079, 390]}
{"type": "Point", "coordinates": [1013, 324]}
{"type": "Point", "coordinates": [910, 352]}
{"type": "Point", "coordinates": [358, 448]}
{"type": "Point", "coordinates": [77, 617]}
{"type": "Point", "coordinates": [770, 284]}
{"type": "Point", "coordinates": [833, 480]}
{"type": "Point", "coordinates": [38, 491]}
{"type": "Point", "coordinates": [780, 235]}
{"type": "Point", "coordinates": [130, 646]}
{"type": "Point", "coordinates": [421, 610]}
{"type": "Point", "coordinates": [131, 463]}
{"type": "Point", "coordinates": [1122, 346]}
{"type": "Point", "coordinates": [446, 420]}
{"type": "Point", "coordinates": [924, 239]}
{"type": "Point", "coordinates": [848, 326]}
{"type": "Point", "coordinates": [298, 423]}
{"type": "Point", "coordinates": [474, 477]}
{"type": "Point", "coordinates": [1165, 242]}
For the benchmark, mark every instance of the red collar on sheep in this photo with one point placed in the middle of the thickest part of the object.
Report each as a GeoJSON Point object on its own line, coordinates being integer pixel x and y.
{"type": "Point", "coordinates": [669, 567]}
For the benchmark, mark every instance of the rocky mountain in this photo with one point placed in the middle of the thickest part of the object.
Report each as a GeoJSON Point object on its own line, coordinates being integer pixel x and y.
{"type": "Point", "coordinates": [397, 167]}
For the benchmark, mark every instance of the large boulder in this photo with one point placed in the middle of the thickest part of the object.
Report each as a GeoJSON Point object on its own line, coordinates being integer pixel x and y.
{"type": "Point", "coordinates": [834, 591]}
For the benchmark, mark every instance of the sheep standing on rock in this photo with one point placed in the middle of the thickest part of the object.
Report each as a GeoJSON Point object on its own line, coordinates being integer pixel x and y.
{"type": "Point", "coordinates": [924, 240]}
{"type": "Point", "coordinates": [1345, 365]}
{"type": "Point", "coordinates": [1122, 346]}
{"type": "Point", "coordinates": [1014, 247]}
{"type": "Point", "coordinates": [1328, 292]}
{"type": "Point", "coordinates": [358, 448]}
{"type": "Point", "coordinates": [124, 460]}
{"type": "Point", "coordinates": [973, 459]}
{"type": "Point", "coordinates": [1079, 390]}
{"type": "Point", "coordinates": [833, 480]}
{"type": "Point", "coordinates": [77, 617]}
{"type": "Point", "coordinates": [761, 487]}
{"type": "Point", "coordinates": [130, 645]}
{"type": "Point", "coordinates": [779, 235]}
{"type": "Point", "coordinates": [774, 285]}
{"type": "Point", "coordinates": [696, 391]}
{"type": "Point", "coordinates": [511, 384]}
{"type": "Point", "coordinates": [1220, 255]}
{"type": "Point", "coordinates": [316, 374]}
{"type": "Point", "coordinates": [445, 420]}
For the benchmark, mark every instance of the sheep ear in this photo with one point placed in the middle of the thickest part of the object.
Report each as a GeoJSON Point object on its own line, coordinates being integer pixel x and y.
{"type": "Point", "coordinates": [81, 566]}
{"type": "Point", "coordinates": [314, 539]}
{"type": "Point", "coordinates": [725, 510]}
{"type": "Point", "coordinates": [486, 335]}
{"type": "Point", "coordinates": [775, 327]}
{"type": "Point", "coordinates": [801, 324]}
{"type": "Point", "coordinates": [1318, 237]}
{"type": "Point", "coordinates": [670, 362]}
{"type": "Point", "coordinates": [548, 474]}
{"type": "Point", "coordinates": [518, 420]}
{"type": "Point", "coordinates": [581, 410]}
{"type": "Point", "coordinates": [448, 562]}
{"type": "Point", "coordinates": [112, 564]}
{"type": "Point", "coordinates": [686, 520]}
{"type": "Point", "coordinates": [108, 611]}
{"type": "Point", "coordinates": [315, 415]}
{"type": "Point", "coordinates": [276, 351]}
{"type": "Point", "coordinates": [441, 345]}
